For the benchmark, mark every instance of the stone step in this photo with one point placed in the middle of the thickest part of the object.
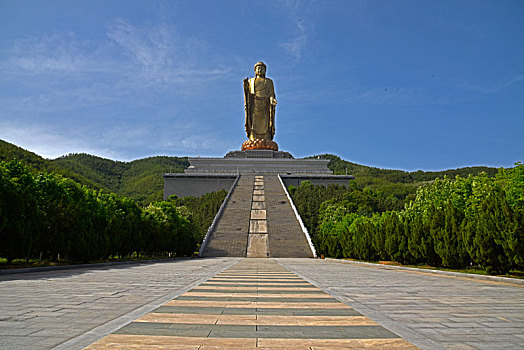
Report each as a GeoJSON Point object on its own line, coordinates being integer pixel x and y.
{"type": "Point", "coordinates": [230, 236]}
{"type": "Point", "coordinates": [286, 239]}
{"type": "Point", "coordinates": [284, 235]}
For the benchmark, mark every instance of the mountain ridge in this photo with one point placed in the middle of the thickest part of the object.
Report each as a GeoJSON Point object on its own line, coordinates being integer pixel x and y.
{"type": "Point", "coordinates": [141, 179]}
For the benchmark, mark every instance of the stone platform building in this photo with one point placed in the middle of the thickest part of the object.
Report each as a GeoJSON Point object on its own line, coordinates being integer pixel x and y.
{"type": "Point", "coordinates": [258, 217]}
{"type": "Point", "coordinates": [214, 174]}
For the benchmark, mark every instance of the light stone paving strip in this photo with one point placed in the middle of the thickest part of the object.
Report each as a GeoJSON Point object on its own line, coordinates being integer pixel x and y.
{"type": "Point", "coordinates": [258, 205]}
{"type": "Point", "coordinates": [257, 226]}
{"type": "Point", "coordinates": [258, 214]}
{"type": "Point", "coordinates": [257, 246]}
{"type": "Point", "coordinates": [206, 317]}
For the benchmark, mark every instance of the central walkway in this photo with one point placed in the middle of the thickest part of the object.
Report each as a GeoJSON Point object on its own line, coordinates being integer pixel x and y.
{"type": "Point", "coordinates": [256, 303]}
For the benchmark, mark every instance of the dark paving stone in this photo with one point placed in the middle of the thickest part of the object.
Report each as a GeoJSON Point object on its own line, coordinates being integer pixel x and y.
{"type": "Point", "coordinates": [307, 312]}
{"type": "Point", "coordinates": [243, 331]}
{"type": "Point", "coordinates": [218, 333]}
{"type": "Point", "coordinates": [259, 299]}
{"type": "Point", "coordinates": [327, 332]}
{"type": "Point", "coordinates": [256, 279]}
{"type": "Point", "coordinates": [298, 285]}
{"type": "Point", "coordinates": [209, 290]}
{"type": "Point", "coordinates": [240, 281]}
{"type": "Point", "coordinates": [257, 311]}
{"type": "Point", "coordinates": [204, 310]}
{"type": "Point", "coordinates": [182, 329]}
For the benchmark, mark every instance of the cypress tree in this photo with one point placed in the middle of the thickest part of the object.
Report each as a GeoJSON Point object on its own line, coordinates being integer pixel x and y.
{"type": "Point", "coordinates": [448, 245]}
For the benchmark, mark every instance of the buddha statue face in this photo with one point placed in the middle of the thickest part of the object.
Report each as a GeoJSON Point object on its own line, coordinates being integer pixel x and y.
{"type": "Point", "coordinates": [260, 70]}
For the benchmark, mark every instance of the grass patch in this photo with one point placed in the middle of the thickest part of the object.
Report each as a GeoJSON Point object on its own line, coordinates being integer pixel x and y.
{"type": "Point", "coordinates": [23, 263]}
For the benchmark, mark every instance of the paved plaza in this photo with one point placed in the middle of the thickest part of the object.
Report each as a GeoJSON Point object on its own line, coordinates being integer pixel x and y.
{"type": "Point", "coordinates": [263, 303]}
{"type": "Point", "coordinates": [42, 310]}
{"type": "Point", "coordinates": [432, 311]}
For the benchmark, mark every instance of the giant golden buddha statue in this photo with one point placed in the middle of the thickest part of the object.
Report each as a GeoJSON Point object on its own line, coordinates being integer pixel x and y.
{"type": "Point", "coordinates": [260, 103]}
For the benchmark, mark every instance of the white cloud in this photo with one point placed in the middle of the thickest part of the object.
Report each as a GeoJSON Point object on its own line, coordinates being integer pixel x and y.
{"type": "Point", "coordinates": [161, 56]}
{"type": "Point", "coordinates": [122, 142]}
{"type": "Point", "coordinates": [49, 142]}
{"type": "Point", "coordinates": [488, 87]}
{"type": "Point", "coordinates": [149, 47]}
{"type": "Point", "coordinates": [295, 45]}
{"type": "Point", "coordinates": [135, 59]}
{"type": "Point", "coordinates": [57, 53]}
{"type": "Point", "coordinates": [397, 95]}
{"type": "Point", "coordinates": [296, 13]}
{"type": "Point", "coordinates": [145, 71]}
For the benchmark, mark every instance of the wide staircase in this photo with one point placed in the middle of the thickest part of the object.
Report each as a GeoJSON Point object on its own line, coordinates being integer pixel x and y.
{"type": "Point", "coordinates": [229, 238]}
{"type": "Point", "coordinates": [257, 221]}
{"type": "Point", "coordinates": [286, 239]}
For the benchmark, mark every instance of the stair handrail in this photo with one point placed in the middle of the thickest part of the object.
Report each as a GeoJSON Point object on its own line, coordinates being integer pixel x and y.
{"type": "Point", "coordinates": [217, 217]}
{"type": "Point", "coordinates": [304, 228]}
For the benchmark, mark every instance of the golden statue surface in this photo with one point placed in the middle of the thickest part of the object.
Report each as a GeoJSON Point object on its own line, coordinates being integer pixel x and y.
{"type": "Point", "coordinates": [259, 103]}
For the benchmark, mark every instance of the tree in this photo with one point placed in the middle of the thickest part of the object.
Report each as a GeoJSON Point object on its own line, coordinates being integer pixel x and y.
{"type": "Point", "coordinates": [19, 210]}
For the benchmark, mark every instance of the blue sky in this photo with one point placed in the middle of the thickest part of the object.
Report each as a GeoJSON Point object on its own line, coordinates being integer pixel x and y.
{"type": "Point", "coordinates": [394, 84]}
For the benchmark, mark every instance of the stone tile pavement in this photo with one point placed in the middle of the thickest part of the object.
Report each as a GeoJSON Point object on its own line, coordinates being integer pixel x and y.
{"type": "Point", "coordinates": [431, 311]}
{"type": "Point", "coordinates": [42, 310]}
{"type": "Point", "coordinates": [71, 309]}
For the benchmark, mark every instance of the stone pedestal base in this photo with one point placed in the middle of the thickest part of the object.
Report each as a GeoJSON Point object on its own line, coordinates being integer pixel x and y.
{"type": "Point", "coordinates": [259, 153]}
{"type": "Point", "coordinates": [201, 166]}
{"type": "Point", "coordinates": [259, 144]}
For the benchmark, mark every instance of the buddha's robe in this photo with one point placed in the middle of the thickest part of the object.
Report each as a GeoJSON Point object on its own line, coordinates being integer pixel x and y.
{"type": "Point", "coordinates": [260, 112]}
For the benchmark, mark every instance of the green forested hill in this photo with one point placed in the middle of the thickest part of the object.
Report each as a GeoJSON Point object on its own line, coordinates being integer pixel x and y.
{"type": "Point", "coordinates": [8, 151]}
{"type": "Point", "coordinates": [106, 172]}
{"type": "Point", "coordinates": [396, 186]}
{"type": "Point", "coordinates": [339, 166]}
{"type": "Point", "coordinates": [139, 179]}
{"type": "Point", "coordinates": [142, 179]}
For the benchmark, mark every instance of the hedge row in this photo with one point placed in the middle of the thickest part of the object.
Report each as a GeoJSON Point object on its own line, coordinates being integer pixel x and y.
{"type": "Point", "coordinates": [45, 216]}
{"type": "Point", "coordinates": [473, 221]}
